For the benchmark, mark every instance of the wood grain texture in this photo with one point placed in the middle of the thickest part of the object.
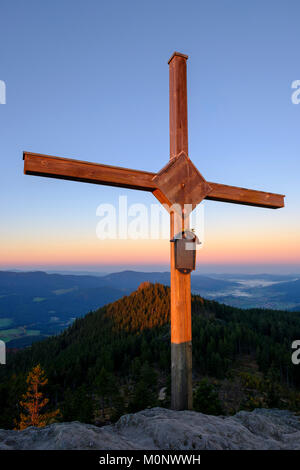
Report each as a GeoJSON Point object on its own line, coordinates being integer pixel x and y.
{"type": "Point", "coordinates": [181, 322]}
{"type": "Point", "coordinates": [181, 183]}
{"type": "Point", "coordinates": [76, 170]}
{"type": "Point", "coordinates": [248, 197]}
{"type": "Point", "coordinates": [181, 317]}
{"type": "Point", "coordinates": [181, 327]}
{"type": "Point", "coordinates": [95, 173]}
{"type": "Point", "coordinates": [178, 105]}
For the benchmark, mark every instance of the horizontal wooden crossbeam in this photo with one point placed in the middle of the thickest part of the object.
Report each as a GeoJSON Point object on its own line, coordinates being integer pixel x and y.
{"type": "Point", "coordinates": [247, 197]}
{"type": "Point", "coordinates": [76, 170]}
{"type": "Point", "coordinates": [86, 172]}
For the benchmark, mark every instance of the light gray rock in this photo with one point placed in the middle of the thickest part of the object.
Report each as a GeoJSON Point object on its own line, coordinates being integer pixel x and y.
{"type": "Point", "coordinates": [159, 428]}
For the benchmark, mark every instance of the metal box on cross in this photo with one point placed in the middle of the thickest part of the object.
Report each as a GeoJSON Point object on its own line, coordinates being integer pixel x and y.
{"type": "Point", "coordinates": [185, 251]}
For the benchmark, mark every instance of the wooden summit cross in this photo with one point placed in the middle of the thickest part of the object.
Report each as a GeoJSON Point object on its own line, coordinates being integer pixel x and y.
{"type": "Point", "coordinates": [179, 183]}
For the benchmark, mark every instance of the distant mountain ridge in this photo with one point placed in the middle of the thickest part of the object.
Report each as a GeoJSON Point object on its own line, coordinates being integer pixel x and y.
{"type": "Point", "coordinates": [132, 279]}
{"type": "Point", "coordinates": [37, 304]}
{"type": "Point", "coordinates": [46, 303]}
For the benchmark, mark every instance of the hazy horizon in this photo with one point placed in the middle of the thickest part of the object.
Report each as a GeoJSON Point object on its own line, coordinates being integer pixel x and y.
{"type": "Point", "coordinates": [201, 269]}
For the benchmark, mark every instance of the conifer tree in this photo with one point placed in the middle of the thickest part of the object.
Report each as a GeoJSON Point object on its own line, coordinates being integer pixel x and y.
{"type": "Point", "coordinates": [33, 401]}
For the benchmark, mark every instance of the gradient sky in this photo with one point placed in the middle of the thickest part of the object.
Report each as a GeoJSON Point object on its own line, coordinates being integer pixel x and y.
{"type": "Point", "coordinates": [89, 80]}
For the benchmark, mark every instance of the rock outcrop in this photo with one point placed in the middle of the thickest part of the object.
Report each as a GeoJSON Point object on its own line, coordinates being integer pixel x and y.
{"type": "Point", "coordinates": [159, 428]}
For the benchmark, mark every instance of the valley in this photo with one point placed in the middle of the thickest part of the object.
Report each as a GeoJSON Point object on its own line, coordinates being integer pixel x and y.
{"type": "Point", "coordinates": [35, 305]}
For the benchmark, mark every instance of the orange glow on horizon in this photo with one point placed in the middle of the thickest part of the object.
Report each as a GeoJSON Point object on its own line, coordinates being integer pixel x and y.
{"type": "Point", "coordinates": [91, 251]}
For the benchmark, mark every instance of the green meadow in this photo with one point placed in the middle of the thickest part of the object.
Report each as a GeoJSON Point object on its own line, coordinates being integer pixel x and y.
{"type": "Point", "coordinates": [8, 334]}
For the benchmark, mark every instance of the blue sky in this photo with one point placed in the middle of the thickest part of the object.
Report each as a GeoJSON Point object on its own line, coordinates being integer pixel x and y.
{"type": "Point", "coordinates": [89, 80]}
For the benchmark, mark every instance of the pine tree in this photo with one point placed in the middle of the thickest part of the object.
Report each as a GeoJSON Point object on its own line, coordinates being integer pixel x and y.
{"type": "Point", "coordinates": [145, 391]}
{"type": "Point", "coordinates": [33, 401]}
{"type": "Point", "coordinates": [106, 387]}
{"type": "Point", "coordinates": [206, 398]}
{"type": "Point", "coordinates": [78, 405]}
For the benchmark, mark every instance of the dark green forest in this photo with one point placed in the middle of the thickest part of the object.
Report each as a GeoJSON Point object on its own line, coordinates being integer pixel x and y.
{"type": "Point", "coordinates": [116, 360]}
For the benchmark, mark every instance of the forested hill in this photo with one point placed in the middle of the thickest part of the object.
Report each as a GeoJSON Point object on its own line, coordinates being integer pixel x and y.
{"type": "Point", "coordinates": [116, 359]}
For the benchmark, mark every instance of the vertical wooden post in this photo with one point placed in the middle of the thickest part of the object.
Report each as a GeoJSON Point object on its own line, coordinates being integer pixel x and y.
{"type": "Point", "coordinates": [181, 321]}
